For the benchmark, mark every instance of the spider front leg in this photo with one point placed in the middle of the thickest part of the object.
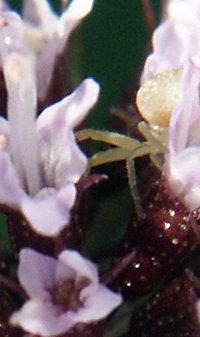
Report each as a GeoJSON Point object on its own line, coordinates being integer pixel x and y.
{"type": "Point", "coordinates": [127, 149]}
{"type": "Point", "coordinates": [124, 146]}
{"type": "Point", "coordinates": [112, 138]}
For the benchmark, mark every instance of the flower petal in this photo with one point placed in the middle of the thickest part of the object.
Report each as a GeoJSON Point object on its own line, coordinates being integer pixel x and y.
{"type": "Point", "coordinates": [40, 278]}
{"type": "Point", "coordinates": [68, 21]}
{"type": "Point", "coordinates": [71, 17]}
{"type": "Point", "coordinates": [41, 318]}
{"type": "Point", "coordinates": [182, 163]}
{"type": "Point", "coordinates": [184, 176]}
{"type": "Point", "coordinates": [19, 74]}
{"type": "Point", "coordinates": [81, 267]}
{"type": "Point", "coordinates": [71, 110]}
{"type": "Point", "coordinates": [186, 113]}
{"type": "Point", "coordinates": [39, 14]}
{"type": "Point", "coordinates": [61, 159]}
{"type": "Point", "coordinates": [97, 305]}
{"type": "Point", "coordinates": [180, 32]}
{"type": "Point", "coordinates": [69, 168]}
{"type": "Point", "coordinates": [49, 211]}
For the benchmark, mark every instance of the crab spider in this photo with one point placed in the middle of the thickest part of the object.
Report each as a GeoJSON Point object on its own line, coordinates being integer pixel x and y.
{"type": "Point", "coordinates": [157, 113]}
{"type": "Point", "coordinates": [127, 149]}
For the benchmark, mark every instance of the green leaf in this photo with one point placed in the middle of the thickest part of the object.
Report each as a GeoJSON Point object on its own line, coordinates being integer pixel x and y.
{"type": "Point", "coordinates": [110, 219]}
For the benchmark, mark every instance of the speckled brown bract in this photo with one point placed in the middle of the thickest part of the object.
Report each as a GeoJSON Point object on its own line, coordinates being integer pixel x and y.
{"type": "Point", "coordinates": [170, 313]}
{"type": "Point", "coordinates": [166, 236]}
{"type": "Point", "coordinates": [81, 330]}
{"type": "Point", "coordinates": [86, 331]}
{"type": "Point", "coordinates": [22, 235]}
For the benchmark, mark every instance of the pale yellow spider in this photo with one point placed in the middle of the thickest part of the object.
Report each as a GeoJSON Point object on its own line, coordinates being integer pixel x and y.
{"type": "Point", "coordinates": [155, 100]}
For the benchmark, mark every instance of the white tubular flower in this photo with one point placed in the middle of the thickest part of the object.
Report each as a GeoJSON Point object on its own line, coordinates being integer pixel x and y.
{"type": "Point", "coordinates": [49, 33]}
{"type": "Point", "coordinates": [39, 159]}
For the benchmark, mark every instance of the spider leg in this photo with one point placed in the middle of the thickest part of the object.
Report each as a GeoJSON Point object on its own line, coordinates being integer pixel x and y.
{"type": "Point", "coordinates": [118, 154]}
{"type": "Point", "coordinates": [112, 138]}
{"type": "Point", "coordinates": [109, 156]}
{"type": "Point", "coordinates": [145, 148]}
{"type": "Point", "coordinates": [132, 180]}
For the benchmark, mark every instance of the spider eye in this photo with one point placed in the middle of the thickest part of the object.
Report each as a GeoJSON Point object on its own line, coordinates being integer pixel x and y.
{"type": "Point", "coordinates": [157, 98]}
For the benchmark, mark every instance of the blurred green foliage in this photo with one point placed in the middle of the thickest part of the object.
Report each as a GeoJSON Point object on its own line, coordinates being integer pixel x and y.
{"type": "Point", "coordinates": [115, 41]}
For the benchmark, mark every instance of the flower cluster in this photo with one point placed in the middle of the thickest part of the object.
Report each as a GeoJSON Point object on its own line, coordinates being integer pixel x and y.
{"type": "Point", "coordinates": [44, 174]}
{"type": "Point", "coordinates": [40, 165]}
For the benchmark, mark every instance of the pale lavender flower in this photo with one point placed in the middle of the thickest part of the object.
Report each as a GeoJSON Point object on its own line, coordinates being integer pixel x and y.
{"type": "Point", "coordinates": [45, 33]}
{"type": "Point", "coordinates": [50, 33]}
{"type": "Point", "coordinates": [182, 167]}
{"type": "Point", "coordinates": [62, 293]}
{"type": "Point", "coordinates": [176, 39]}
{"type": "Point", "coordinates": [39, 160]}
